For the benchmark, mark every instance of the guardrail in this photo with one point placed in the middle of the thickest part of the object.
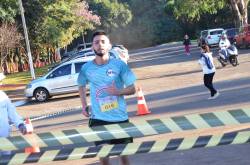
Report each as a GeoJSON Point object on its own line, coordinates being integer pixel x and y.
{"type": "Point", "coordinates": [124, 130]}
{"type": "Point", "coordinates": [129, 149]}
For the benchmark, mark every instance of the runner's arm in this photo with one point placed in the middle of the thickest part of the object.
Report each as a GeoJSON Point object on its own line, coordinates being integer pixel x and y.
{"type": "Point", "coordinates": [82, 93]}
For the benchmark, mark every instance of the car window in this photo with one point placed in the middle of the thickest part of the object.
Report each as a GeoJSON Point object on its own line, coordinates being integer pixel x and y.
{"type": "Point", "coordinates": [61, 71]}
{"type": "Point", "coordinates": [78, 66]}
{"type": "Point", "coordinates": [216, 32]}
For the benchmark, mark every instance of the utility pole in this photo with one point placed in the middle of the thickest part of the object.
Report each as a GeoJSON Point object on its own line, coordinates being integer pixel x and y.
{"type": "Point", "coordinates": [27, 40]}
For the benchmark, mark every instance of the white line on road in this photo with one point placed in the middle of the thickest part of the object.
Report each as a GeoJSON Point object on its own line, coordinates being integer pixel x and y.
{"type": "Point", "coordinates": [164, 57]}
{"type": "Point", "coordinates": [20, 103]}
{"type": "Point", "coordinates": [158, 50]}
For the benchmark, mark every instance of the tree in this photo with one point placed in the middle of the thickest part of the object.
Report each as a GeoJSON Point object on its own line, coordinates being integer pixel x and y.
{"type": "Point", "coordinates": [66, 21]}
{"type": "Point", "coordinates": [113, 14]}
{"type": "Point", "coordinates": [51, 24]}
{"type": "Point", "coordinates": [239, 8]}
{"type": "Point", "coordinates": [9, 40]}
{"type": "Point", "coordinates": [193, 9]}
{"type": "Point", "coordinates": [54, 24]}
{"type": "Point", "coordinates": [150, 25]}
{"type": "Point", "coordinates": [8, 10]}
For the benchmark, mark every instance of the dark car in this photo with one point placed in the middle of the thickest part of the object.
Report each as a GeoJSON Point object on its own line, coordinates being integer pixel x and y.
{"type": "Point", "coordinates": [83, 46]}
{"type": "Point", "coordinates": [231, 34]}
{"type": "Point", "coordinates": [66, 55]}
{"type": "Point", "coordinates": [202, 37]}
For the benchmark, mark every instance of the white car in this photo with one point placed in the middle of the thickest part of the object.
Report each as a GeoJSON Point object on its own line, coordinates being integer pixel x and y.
{"type": "Point", "coordinates": [69, 56]}
{"type": "Point", "coordinates": [120, 52]}
{"type": "Point", "coordinates": [62, 79]}
{"type": "Point", "coordinates": [211, 36]}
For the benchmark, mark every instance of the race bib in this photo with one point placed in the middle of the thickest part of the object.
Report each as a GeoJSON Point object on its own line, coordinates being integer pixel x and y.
{"type": "Point", "coordinates": [108, 103]}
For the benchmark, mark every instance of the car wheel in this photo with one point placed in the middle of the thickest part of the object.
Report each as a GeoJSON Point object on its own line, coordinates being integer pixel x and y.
{"type": "Point", "coordinates": [233, 60]}
{"type": "Point", "coordinates": [41, 94]}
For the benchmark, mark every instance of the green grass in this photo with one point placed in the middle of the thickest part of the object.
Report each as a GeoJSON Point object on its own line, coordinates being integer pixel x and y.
{"type": "Point", "coordinates": [24, 77]}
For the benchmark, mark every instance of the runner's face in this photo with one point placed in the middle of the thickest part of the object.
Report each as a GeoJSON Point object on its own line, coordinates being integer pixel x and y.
{"type": "Point", "coordinates": [101, 45]}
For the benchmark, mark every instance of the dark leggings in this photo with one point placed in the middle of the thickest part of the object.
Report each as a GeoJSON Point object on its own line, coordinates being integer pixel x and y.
{"type": "Point", "coordinates": [208, 82]}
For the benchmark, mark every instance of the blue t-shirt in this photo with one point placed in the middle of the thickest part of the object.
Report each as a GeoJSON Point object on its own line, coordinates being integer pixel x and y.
{"type": "Point", "coordinates": [100, 77]}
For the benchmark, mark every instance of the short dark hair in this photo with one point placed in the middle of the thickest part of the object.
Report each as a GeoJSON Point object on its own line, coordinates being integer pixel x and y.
{"type": "Point", "coordinates": [98, 32]}
{"type": "Point", "coordinates": [205, 47]}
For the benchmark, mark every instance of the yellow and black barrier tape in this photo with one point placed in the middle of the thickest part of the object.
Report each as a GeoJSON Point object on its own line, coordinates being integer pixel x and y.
{"type": "Point", "coordinates": [128, 149]}
{"type": "Point", "coordinates": [133, 129]}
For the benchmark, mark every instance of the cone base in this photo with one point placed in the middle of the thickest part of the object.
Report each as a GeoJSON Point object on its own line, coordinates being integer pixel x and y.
{"type": "Point", "coordinates": [144, 113]}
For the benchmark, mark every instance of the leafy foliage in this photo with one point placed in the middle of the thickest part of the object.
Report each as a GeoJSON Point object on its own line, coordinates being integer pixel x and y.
{"type": "Point", "coordinates": [58, 23]}
{"type": "Point", "coordinates": [8, 10]}
{"type": "Point", "coordinates": [51, 23]}
{"type": "Point", "coordinates": [193, 9]}
{"type": "Point", "coordinates": [113, 14]}
{"type": "Point", "coordinates": [150, 25]}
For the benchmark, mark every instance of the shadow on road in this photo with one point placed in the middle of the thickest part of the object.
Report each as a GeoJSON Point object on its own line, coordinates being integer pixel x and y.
{"type": "Point", "coordinates": [194, 98]}
{"type": "Point", "coordinates": [184, 99]}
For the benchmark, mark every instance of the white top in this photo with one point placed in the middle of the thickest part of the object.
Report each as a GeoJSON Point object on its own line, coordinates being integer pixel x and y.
{"type": "Point", "coordinates": [204, 66]}
{"type": "Point", "coordinates": [7, 114]}
{"type": "Point", "coordinates": [224, 43]}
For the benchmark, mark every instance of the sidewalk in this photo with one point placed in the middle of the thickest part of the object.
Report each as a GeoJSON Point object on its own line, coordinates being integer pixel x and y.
{"type": "Point", "coordinates": [14, 91]}
{"type": "Point", "coordinates": [13, 86]}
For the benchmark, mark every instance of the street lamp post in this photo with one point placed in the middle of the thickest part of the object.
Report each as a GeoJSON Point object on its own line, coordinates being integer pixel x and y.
{"type": "Point", "coordinates": [27, 40]}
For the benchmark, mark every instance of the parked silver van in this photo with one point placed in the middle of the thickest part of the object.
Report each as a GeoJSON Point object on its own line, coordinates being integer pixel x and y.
{"type": "Point", "coordinates": [60, 80]}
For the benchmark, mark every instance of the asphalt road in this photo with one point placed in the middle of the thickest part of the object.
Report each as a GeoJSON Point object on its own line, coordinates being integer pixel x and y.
{"type": "Point", "coordinates": [172, 85]}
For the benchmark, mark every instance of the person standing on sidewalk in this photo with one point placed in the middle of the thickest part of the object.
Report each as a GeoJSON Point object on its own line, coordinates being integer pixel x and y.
{"type": "Point", "coordinates": [206, 61]}
{"type": "Point", "coordinates": [187, 43]}
{"type": "Point", "coordinates": [110, 80]}
{"type": "Point", "coordinates": [8, 115]}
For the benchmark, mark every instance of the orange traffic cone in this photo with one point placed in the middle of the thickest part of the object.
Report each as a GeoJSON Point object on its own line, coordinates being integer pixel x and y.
{"type": "Point", "coordinates": [29, 127]}
{"type": "Point", "coordinates": [142, 108]}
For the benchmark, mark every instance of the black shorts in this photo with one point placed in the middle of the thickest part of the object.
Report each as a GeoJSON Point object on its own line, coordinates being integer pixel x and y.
{"type": "Point", "coordinates": [96, 122]}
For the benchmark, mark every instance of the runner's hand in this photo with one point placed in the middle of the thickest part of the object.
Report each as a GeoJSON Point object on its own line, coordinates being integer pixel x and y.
{"type": "Point", "coordinates": [112, 90]}
{"type": "Point", "coordinates": [22, 128]}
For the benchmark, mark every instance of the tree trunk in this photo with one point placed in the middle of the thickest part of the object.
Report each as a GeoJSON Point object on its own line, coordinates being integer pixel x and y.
{"type": "Point", "coordinates": [240, 10]}
{"type": "Point", "coordinates": [243, 10]}
{"type": "Point", "coordinates": [236, 12]}
{"type": "Point", "coordinates": [53, 54]}
{"type": "Point", "coordinates": [48, 55]}
{"type": "Point", "coordinates": [20, 63]}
